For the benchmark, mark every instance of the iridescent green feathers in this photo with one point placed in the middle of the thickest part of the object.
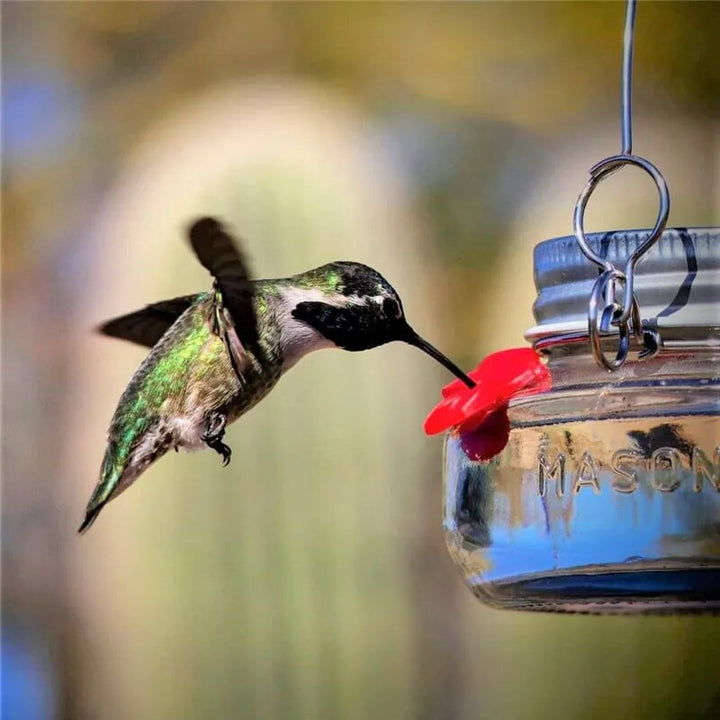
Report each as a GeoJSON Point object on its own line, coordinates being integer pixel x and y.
{"type": "Point", "coordinates": [186, 354]}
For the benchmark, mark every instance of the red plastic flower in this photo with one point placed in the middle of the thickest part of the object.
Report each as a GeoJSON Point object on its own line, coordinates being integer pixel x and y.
{"type": "Point", "coordinates": [479, 414]}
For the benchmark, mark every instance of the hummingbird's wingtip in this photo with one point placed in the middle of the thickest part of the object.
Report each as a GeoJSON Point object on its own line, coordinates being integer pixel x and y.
{"type": "Point", "coordinates": [202, 229]}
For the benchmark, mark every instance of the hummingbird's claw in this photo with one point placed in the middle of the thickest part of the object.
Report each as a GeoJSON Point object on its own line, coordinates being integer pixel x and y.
{"type": "Point", "coordinates": [219, 447]}
{"type": "Point", "coordinates": [214, 435]}
{"type": "Point", "coordinates": [226, 453]}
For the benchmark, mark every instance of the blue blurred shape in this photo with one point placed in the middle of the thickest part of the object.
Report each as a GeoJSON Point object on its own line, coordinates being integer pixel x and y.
{"type": "Point", "coordinates": [28, 689]}
{"type": "Point", "coordinates": [40, 110]}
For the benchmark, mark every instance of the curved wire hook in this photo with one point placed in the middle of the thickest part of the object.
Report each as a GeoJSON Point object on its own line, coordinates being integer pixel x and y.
{"type": "Point", "coordinates": [598, 173]}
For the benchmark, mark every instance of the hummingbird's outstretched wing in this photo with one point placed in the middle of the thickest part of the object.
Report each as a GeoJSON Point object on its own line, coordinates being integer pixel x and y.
{"type": "Point", "coordinates": [219, 254]}
{"type": "Point", "coordinates": [147, 326]}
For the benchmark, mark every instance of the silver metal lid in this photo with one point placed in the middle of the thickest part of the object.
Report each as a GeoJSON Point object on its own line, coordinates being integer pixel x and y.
{"type": "Point", "coordinates": [677, 284]}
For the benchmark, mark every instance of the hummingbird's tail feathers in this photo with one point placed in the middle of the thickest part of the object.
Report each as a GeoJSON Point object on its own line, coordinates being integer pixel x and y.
{"type": "Point", "coordinates": [125, 460]}
{"type": "Point", "coordinates": [147, 326]}
{"type": "Point", "coordinates": [90, 517]}
{"type": "Point", "coordinates": [222, 257]}
{"type": "Point", "coordinates": [119, 471]}
{"type": "Point", "coordinates": [111, 476]}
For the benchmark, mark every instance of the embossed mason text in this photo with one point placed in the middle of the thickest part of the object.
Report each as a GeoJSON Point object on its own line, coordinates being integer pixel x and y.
{"type": "Point", "coordinates": [665, 470]}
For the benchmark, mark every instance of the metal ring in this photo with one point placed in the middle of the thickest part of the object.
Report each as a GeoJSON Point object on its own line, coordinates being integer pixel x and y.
{"type": "Point", "coordinates": [597, 174]}
{"type": "Point", "coordinates": [596, 330]}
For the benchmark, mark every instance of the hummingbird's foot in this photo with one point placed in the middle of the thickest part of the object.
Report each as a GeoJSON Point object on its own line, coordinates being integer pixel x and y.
{"type": "Point", "coordinates": [221, 448]}
{"type": "Point", "coordinates": [214, 433]}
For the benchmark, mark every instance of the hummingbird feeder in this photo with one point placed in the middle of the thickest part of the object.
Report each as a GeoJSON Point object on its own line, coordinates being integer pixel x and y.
{"type": "Point", "coordinates": [583, 475]}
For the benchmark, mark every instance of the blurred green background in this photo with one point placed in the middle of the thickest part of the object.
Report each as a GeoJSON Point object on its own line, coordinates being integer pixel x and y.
{"type": "Point", "coordinates": [436, 142]}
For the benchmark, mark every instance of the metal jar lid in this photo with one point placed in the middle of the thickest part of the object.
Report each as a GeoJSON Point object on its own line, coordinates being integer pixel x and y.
{"type": "Point", "coordinates": [677, 285]}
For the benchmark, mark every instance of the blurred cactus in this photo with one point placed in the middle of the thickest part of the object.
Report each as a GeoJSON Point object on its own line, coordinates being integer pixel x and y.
{"type": "Point", "coordinates": [254, 587]}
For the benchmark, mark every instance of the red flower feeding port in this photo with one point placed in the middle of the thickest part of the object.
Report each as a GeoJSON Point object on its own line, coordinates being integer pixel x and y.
{"type": "Point", "coordinates": [479, 414]}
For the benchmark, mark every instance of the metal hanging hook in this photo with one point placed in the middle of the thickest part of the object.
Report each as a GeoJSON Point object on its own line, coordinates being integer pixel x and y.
{"type": "Point", "coordinates": [628, 42]}
{"type": "Point", "coordinates": [625, 315]}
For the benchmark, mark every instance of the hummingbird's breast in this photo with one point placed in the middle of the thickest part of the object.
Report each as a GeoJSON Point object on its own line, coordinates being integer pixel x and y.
{"type": "Point", "coordinates": [217, 381]}
{"type": "Point", "coordinates": [187, 376]}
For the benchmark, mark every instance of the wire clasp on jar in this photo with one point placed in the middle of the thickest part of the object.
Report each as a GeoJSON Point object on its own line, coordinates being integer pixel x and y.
{"type": "Point", "coordinates": [612, 300]}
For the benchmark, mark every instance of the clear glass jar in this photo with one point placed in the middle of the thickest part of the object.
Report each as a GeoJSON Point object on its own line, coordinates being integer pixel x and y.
{"type": "Point", "coordinates": [606, 497]}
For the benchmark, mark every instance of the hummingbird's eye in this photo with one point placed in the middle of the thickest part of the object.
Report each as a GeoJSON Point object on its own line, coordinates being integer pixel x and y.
{"type": "Point", "coordinates": [391, 308]}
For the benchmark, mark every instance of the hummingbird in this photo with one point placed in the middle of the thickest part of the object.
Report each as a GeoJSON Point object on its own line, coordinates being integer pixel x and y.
{"type": "Point", "coordinates": [214, 355]}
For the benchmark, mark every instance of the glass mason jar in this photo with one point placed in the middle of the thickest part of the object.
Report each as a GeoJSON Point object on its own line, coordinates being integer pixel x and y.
{"type": "Point", "coordinates": [606, 497]}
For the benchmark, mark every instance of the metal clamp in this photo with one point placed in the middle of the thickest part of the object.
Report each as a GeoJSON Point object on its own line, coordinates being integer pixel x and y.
{"type": "Point", "coordinates": [605, 311]}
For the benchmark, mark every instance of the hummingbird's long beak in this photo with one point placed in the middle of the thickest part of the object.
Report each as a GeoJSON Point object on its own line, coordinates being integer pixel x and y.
{"type": "Point", "coordinates": [412, 338]}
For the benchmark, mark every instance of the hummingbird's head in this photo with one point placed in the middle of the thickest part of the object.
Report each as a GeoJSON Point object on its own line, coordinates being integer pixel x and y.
{"type": "Point", "coordinates": [355, 308]}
